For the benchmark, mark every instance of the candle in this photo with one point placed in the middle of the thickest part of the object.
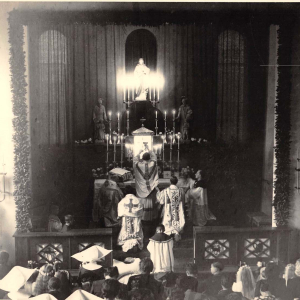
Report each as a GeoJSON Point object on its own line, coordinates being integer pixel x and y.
{"type": "Point", "coordinates": [173, 114]}
{"type": "Point", "coordinates": [109, 115]}
{"type": "Point", "coordinates": [156, 114]}
{"type": "Point", "coordinates": [118, 116]}
{"type": "Point", "coordinates": [121, 137]}
{"type": "Point", "coordinates": [157, 93]}
{"type": "Point", "coordinates": [115, 138]}
{"type": "Point", "coordinates": [165, 115]}
{"type": "Point", "coordinates": [107, 138]}
{"type": "Point", "coordinates": [127, 113]}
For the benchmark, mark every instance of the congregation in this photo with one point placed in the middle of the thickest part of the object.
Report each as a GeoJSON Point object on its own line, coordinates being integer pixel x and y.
{"type": "Point", "coordinates": [137, 281]}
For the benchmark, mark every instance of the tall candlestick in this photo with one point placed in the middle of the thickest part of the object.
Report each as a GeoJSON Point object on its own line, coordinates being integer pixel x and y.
{"type": "Point", "coordinates": [118, 114]}
{"type": "Point", "coordinates": [121, 137]}
{"type": "Point", "coordinates": [171, 142]}
{"type": "Point", "coordinates": [109, 121]}
{"type": "Point", "coordinates": [298, 191]}
{"type": "Point", "coordinates": [156, 122]}
{"type": "Point", "coordinates": [115, 149]}
{"type": "Point", "coordinates": [178, 158]}
{"type": "Point", "coordinates": [174, 125]}
{"type": "Point", "coordinates": [127, 122]}
{"type": "Point", "coordinates": [107, 138]}
{"type": "Point", "coordinates": [166, 125]}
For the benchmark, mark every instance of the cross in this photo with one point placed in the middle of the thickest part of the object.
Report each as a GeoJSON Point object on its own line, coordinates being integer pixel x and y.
{"type": "Point", "coordinates": [130, 205]}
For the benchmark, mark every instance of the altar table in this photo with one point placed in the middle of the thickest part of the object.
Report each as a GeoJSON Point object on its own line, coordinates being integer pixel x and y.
{"type": "Point", "coordinates": [162, 184]}
{"type": "Point", "coordinates": [43, 247]}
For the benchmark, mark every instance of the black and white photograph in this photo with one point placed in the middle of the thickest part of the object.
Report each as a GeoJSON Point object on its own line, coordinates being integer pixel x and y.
{"type": "Point", "coordinates": [149, 150]}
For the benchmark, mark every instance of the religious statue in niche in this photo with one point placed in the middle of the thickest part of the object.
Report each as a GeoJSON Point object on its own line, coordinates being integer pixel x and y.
{"type": "Point", "coordinates": [141, 74]}
{"type": "Point", "coordinates": [99, 118]}
{"type": "Point", "coordinates": [184, 116]}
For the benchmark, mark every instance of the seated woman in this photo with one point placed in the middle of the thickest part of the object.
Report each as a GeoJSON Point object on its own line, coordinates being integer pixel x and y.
{"type": "Point", "coordinates": [245, 283]}
{"type": "Point", "coordinates": [45, 273]}
{"type": "Point", "coordinates": [196, 198]}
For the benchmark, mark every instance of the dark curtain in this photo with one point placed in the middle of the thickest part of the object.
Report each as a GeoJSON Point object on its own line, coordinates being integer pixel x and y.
{"type": "Point", "coordinates": [232, 86]}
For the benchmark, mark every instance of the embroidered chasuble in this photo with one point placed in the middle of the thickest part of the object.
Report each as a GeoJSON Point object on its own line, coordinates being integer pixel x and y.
{"type": "Point", "coordinates": [130, 210]}
{"type": "Point", "coordinates": [161, 252]}
{"type": "Point", "coordinates": [173, 213]}
{"type": "Point", "coordinates": [146, 180]}
{"type": "Point", "coordinates": [106, 203]}
{"type": "Point", "coordinates": [199, 212]}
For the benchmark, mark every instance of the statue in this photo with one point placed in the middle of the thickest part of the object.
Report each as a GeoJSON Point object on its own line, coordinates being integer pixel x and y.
{"type": "Point", "coordinates": [99, 118]}
{"type": "Point", "coordinates": [141, 73]}
{"type": "Point", "coordinates": [184, 115]}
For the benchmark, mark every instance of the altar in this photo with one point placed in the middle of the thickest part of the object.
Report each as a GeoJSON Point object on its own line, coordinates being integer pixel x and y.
{"type": "Point", "coordinates": [162, 183]}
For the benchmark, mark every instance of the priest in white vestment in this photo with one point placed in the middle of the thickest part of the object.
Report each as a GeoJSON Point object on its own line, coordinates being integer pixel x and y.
{"type": "Point", "coordinates": [130, 210]}
{"type": "Point", "coordinates": [172, 199]}
{"type": "Point", "coordinates": [196, 199]}
{"type": "Point", "coordinates": [161, 251]}
{"type": "Point", "coordinates": [146, 182]}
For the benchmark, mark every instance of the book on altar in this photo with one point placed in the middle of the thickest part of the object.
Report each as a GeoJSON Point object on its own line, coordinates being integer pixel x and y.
{"type": "Point", "coordinates": [124, 175]}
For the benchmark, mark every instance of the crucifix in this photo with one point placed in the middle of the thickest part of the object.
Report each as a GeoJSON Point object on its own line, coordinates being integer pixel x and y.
{"type": "Point", "coordinates": [131, 205]}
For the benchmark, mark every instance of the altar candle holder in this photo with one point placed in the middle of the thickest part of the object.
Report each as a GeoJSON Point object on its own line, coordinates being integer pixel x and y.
{"type": "Point", "coordinates": [115, 148]}
{"type": "Point", "coordinates": [174, 141]}
{"type": "Point", "coordinates": [121, 138]}
{"type": "Point", "coordinates": [171, 142]}
{"type": "Point", "coordinates": [107, 150]}
{"type": "Point", "coordinates": [156, 122]}
{"type": "Point", "coordinates": [118, 114]}
{"type": "Point", "coordinates": [297, 170]}
{"type": "Point", "coordinates": [109, 121]}
{"type": "Point", "coordinates": [127, 114]}
{"type": "Point", "coordinates": [166, 125]}
{"type": "Point", "coordinates": [178, 158]}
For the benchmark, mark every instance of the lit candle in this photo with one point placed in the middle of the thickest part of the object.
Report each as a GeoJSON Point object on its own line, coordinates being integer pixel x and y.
{"type": "Point", "coordinates": [109, 115]}
{"type": "Point", "coordinates": [173, 114]}
{"type": "Point", "coordinates": [127, 113]}
{"type": "Point", "coordinates": [165, 114]}
{"type": "Point", "coordinates": [118, 116]}
{"type": "Point", "coordinates": [156, 114]}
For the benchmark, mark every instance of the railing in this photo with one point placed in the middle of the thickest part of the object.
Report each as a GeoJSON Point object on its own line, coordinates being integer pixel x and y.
{"type": "Point", "coordinates": [231, 246]}
{"type": "Point", "coordinates": [47, 247]}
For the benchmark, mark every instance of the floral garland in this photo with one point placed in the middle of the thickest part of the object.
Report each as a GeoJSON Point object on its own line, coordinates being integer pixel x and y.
{"type": "Point", "coordinates": [22, 184]}
{"type": "Point", "coordinates": [283, 127]}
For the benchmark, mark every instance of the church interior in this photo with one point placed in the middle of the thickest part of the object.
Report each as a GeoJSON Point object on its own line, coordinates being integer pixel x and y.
{"type": "Point", "coordinates": [156, 133]}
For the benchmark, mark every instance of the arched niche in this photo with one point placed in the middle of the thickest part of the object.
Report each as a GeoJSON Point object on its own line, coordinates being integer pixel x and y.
{"type": "Point", "coordinates": [140, 43]}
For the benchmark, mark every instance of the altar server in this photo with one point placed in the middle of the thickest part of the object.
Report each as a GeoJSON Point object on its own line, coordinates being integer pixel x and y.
{"type": "Point", "coordinates": [161, 250]}
{"type": "Point", "coordinates": [196, 198]}
{"type": "Point", "coordinates": [106, 204]}
{"type": "Point", "coordinates": [131, 235]}
{"type": "Point", "coordinates": [172, 200]}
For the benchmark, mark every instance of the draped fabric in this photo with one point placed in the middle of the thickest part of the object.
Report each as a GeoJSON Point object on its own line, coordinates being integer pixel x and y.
{"type": "Point", "coordinates": [231, 86]}
{"type": "Point", "coordinates": [77, 63]}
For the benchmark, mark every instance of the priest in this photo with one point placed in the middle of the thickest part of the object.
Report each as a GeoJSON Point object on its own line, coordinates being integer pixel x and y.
{"type": "Point", "coordinates": [106, 203]}
{"type": "Point", "coordinates": [131, 235]}
{"type": "Point", "coordinates": [172, 199]}
{"type": "Point", "coordinates": [146, 182]}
